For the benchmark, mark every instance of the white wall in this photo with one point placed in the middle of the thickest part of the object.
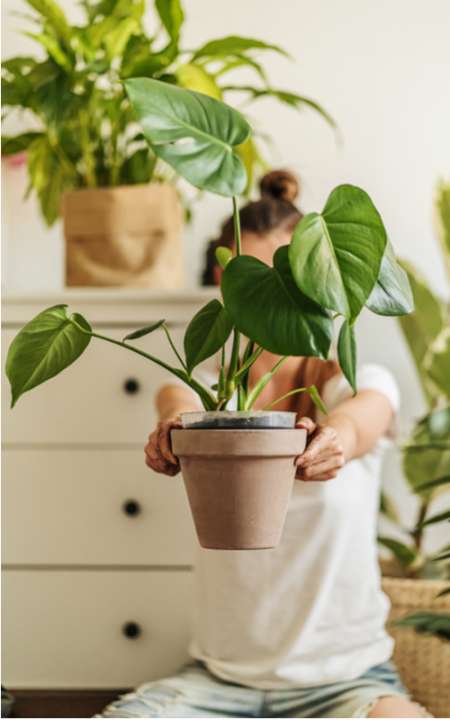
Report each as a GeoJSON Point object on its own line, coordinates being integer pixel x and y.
{"type": "Point", "coordinates": [381, 68]}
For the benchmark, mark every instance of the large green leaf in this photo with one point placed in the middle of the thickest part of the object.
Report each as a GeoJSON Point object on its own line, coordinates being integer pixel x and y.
{"type": "Point", "coordinates": [437, 363]}
{"type": "Point", "coordinates": [392, 294]}
{"type": "Point", "coordinates": [43, 348]}
{"type": "Point", "coordinates": [427, 455]}
{"type": "Point", "coordinates": [235, 45]}
{"type": "Point", "coordinates": [172, 16]}
{"type": "Point", "coordinates": [207, 332]}
{"type": "Point", "coordinates": [193, 133]}
{"type": "Point", "coordinates": [48, 176]}
{"type": "Point", "coordinates": [266, 305]}
{"type": "Point", "coordinates": [421, 327]}
{"type": "Point", "coordinates": [336, 256]}
{"type": "Point", "coordinates": [347, 353]}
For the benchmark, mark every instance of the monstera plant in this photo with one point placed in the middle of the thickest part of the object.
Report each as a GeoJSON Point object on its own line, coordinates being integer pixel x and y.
{"type": "Point", "coordinates": [338, 262]}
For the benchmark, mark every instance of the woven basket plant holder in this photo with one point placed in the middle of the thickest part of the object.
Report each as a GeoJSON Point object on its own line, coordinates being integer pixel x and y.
{"type": "Point", "coordinates": [423, 660]}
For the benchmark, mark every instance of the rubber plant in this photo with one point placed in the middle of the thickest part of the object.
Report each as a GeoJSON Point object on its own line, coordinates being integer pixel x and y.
{"type": "Point", "coordinates": [81, 131]}
{"type": "Point", "coordinates": [426, 454]}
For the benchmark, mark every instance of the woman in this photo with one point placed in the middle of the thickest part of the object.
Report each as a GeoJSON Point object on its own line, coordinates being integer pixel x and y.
{"type": "Point", "coordinates": [297, 631]}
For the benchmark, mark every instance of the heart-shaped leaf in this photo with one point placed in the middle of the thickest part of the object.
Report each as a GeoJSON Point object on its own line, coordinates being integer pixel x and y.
{"type": "Point", "coordinates": [193, 133]}
{"type": "Point", "coordinates": [336, 256]}
{"type": "Point", "coordinates": [392, 294]}
{"type": "Point", "coordinates": [347, 353]}
{"type": "Point", "coordinates": [144, 331]}
{"type": "Point", "coordinates": [46, 345]}
{"type": "Point", "coordinates": [207, 332]}
{"type": "Point", "coordinates": [266, 305]}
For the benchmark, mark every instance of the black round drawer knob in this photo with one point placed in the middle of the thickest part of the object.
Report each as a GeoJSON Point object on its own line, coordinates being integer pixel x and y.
{"type": "Point", "coordinates": [132, 508]}
{"type": "Point", "coordinates": [132, 630]}
{"type": "Point", "coordinates": [131, 386]}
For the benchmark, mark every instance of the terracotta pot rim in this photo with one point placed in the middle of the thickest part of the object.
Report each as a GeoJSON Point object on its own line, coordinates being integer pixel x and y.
{"type": "Point", "coordinates": [237, 442]}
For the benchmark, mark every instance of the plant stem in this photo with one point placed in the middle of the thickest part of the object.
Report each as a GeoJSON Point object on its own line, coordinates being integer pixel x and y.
{"type": "Point", "coordinates": [172, 345]}
{"type": "Point", "coordinates": [237, 227]}
{"type": "Point", "coordinates": [234, 361]}
{"type": "Point", "coordinates": [283, 397]}
{"type": "Point", "coordinates": [209, 402]}
{"type": "Point", "coordinates": [261, 384]}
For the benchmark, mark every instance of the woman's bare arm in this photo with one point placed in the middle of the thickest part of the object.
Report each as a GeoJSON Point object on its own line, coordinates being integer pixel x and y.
{"type": "Point", "coordinates": [348, 432]}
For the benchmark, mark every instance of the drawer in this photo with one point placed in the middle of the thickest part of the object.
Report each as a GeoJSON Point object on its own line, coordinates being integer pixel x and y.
{"type": "Point", "coordinates": [88, 402]}
{"type": "Point", "coordinates": [65, 629]}
{"type": "Point", "coordinates": [66, 507]}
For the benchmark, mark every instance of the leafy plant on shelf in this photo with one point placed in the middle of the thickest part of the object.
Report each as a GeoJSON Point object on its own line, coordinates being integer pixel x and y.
{"type": "Point", "coordinates": [82, 131]}
{"type": "Point", "coordinates": [426, 455]}
{"type": "Point", "coordinates": [338, 262]}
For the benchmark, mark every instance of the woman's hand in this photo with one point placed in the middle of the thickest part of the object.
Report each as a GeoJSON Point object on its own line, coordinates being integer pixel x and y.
{"type": "Point", "coordinates": [158, 451]}
{"type": "Point", "coordinates": [324, 454]}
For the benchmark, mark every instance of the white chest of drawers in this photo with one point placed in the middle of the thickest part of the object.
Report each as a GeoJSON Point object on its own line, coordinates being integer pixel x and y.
{"type": "Point", "coordinates": [97, 550]}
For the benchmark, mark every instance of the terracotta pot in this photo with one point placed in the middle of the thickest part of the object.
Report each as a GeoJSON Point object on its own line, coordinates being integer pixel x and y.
{"type": "Point", "coordinates": [238, 483]}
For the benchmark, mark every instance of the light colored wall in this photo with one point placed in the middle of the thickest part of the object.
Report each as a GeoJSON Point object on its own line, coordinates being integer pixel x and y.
{"type": "Point", "coordinates": [381, 68]}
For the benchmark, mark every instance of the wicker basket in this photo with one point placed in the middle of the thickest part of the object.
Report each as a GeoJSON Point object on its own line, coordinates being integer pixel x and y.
{"type": "Point", "coordinates": [423, 660]}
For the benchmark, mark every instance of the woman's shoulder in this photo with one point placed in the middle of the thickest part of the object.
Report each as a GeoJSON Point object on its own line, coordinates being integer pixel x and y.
{"type": "Point", "coordinates": [369, 376]}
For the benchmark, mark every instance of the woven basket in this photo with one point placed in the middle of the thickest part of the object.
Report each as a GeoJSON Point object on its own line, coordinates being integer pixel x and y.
{"type": "Point", "coordinates": [423, 660]}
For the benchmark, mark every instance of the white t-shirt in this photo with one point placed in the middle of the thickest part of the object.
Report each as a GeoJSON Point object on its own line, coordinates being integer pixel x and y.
{"type": "Point", "coordinates": [310, 611]}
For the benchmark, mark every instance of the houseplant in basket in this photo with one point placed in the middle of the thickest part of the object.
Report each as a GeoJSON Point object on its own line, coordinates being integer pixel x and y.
{"type": "Point", "coordinates": [288, 309]}
{"type": "Point", "coordinates": [84, 150]}
{"type": "Point", "coordinates": [418, 581]}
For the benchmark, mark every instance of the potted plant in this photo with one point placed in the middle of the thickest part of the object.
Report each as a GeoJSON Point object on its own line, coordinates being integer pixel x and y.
{"type": "Point", "coordinates": [338, 262]}
{"type": "Point", "coordinates": [85, 154]}
{"type": "Point", "coordinates": [417, 582]}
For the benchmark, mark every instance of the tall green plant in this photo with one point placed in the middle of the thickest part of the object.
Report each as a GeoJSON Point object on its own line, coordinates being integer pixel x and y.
{"type": "Point", "coordinates": [84, 133]}
{"type": "Point", "coordinates": [426, 455]}
{"type": "Point", "coordinates": [283, 308]}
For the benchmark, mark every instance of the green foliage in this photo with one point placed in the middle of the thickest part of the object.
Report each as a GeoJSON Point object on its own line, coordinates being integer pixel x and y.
{"type": "Point", "coordinates": [82, 115]}
{"type": "Point", "coordinates": [429, 623]}
{"type": "Point", "coordinates": [144, 331]}
{"type": "Point", "coordinates": [207, 333]}
{"type": "Point", "coordinates": [193, 133]}
{"type": "Point", "coordinates": [43, 348]}
{"type": "Point", "coordinates": [266, 305]}
{"type": "Point", "coordinates": [405, 554]}
{"type": "Point", "coordinates": [443, 209]}
{"type": "Point", "coordinates": [347, 352]}
{"type": "Point", "coordinates": [392, 293]}
{"type": "Point", "coordinates": [276, 308]}
{"type": "Point", "coordinates": [422, 327]}
{"type": "Point", "coordinates": [330, 250]}
{"type": "Point", "coordinates": [426, 458]}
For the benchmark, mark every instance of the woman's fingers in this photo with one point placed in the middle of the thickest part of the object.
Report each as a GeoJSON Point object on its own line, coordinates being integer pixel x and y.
{"type": "Point", "coordinates": [164, 444]}
{"type": "Point", "coordinates": [158, 451]}
{"type": "Point", "coordinates": [324, 470]}
{"type": "Point", "coordinates": [322, 445]}
{"type": "Point", "coordinates": [306, 423]}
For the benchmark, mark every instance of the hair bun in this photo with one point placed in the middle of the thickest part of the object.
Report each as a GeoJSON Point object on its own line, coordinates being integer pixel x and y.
{"type": "Point", "coordinates": [280, 184]}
